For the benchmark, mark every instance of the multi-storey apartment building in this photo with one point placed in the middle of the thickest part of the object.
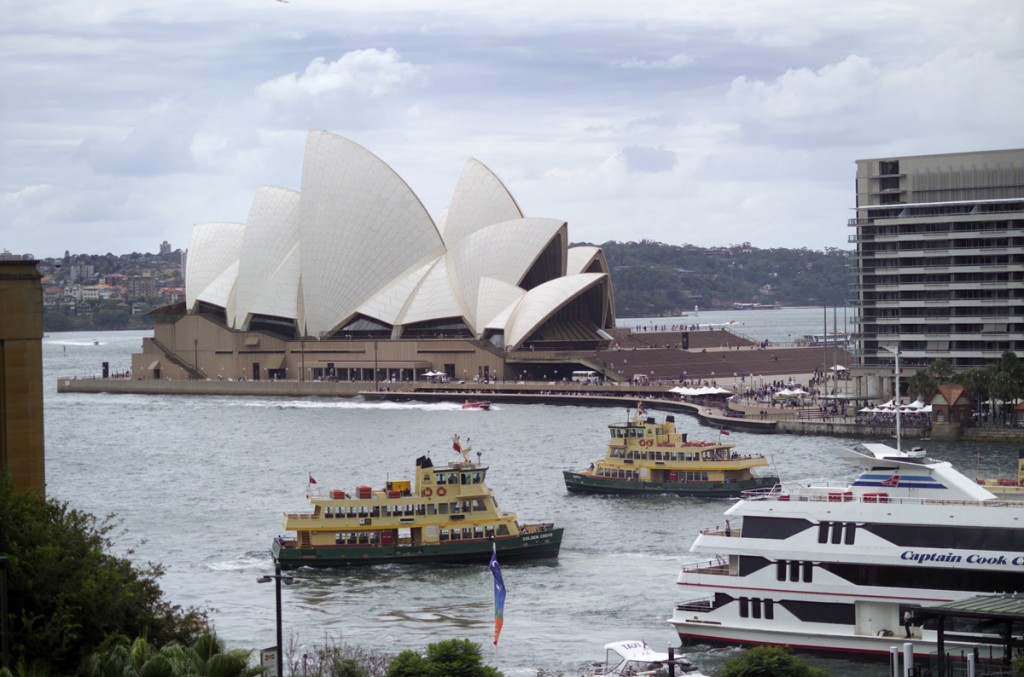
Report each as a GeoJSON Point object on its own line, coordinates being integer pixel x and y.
{"type": "Point", "coordinates": [940, 261]}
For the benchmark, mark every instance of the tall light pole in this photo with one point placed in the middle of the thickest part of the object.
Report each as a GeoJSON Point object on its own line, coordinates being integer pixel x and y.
{"type": "Point", "coordinates": [896, 391]}
{"type": "Point", "coordinates": [288, 580]}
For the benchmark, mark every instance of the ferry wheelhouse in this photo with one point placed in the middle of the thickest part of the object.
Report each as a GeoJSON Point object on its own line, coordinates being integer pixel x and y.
{"type": "Point", "coordinates": [446, 514]}
{"type": "Point", "coordinates": [647, 457]}
{"type": "Point", "coordinates": [834, 568]}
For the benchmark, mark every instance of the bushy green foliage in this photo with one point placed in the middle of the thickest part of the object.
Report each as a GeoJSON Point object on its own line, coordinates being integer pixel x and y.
{"type": "Point", "coordinates": [206, 657]}
{"type": "Point", "coordinates": [67, 593]}
{"type": "Point", "coordinates": [652, 278]}
{"type": "Point", "coordinates": [450, 658]}
{"type": "Point", "coordinates": [769, 661]}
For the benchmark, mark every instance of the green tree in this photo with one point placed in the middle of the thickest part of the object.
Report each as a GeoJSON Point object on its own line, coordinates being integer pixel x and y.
{"type": "Point", "coordinates": [769, 661]}
{"type": "Point", "coordinates": [67, 594]}
{"type": "Point", "coordinates": [207, 657]}
{"type": "Point", "coordinates": [450, 658]}
{"type": "Point", "coordinates": [922, 384]}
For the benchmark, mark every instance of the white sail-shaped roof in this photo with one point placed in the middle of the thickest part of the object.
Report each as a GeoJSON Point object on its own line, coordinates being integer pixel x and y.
{"type": "Point", "coordinates": [583, 257]}
{"type": "Point", "coordinates": [433, 299]}
{"type": "Point", "coordinates": [213, 250]}
{"type": "Point", "coordinates": [542, 302]}
{"type": "Point", "coordinates": [361, 226]}
{"type": "Point", "coordinates": [388, 304]}
{"type": "Point", "coordinates": [504, 251]}
{"type": "Point", "coordinates": [268, 274]}
{"type": "Point", "coordinates": [496, 300]}
{"type": "Point", "coordinates": [356, 241]}
{"type": "Point", "coordinates": [480, 199]}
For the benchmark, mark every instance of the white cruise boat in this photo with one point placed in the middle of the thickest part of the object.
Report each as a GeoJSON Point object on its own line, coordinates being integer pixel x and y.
{"type": "Point", "coordinates": [834, 568]}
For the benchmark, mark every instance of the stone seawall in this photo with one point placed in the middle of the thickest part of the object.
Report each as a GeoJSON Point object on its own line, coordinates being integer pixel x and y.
{"type": "Point", "coordinates": [236, 388]}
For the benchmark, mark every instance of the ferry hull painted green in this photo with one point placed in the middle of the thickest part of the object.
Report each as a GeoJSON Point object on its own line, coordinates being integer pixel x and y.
{"type": "Point", "coordinates": [580, 483]}
{"type": "Point", "coordinates": [527, 546]}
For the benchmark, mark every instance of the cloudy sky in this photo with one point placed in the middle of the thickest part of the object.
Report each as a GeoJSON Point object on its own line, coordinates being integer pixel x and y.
{"type": "Point", "coordinates": [710, 122]}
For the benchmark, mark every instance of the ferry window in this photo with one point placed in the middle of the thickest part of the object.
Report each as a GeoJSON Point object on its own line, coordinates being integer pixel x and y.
{"type": "Point", "coordinates": [327, 512]}
{"type": "Point", "coordinates": [431, 509]}
{"type": "Point", "coordinates": [769, 609]}
{"type": "Point", "coordinates": [444, 534]}
{"type": "Point", "coordinates": [851, 530]}
{"type": "Point", "coordinates": [440, 478]}
{"type": "Point", "coordinates": [503, 530]}
{"type": "Point", "coordinates": [467, 506]}
{"type": "Point", "coordinates": [456, 535]}
{"type": "Point", "coordinates": [454, 507]}
{"type": "Point", "coordinates": [489, 532]}
{"type": "Point", "coordinates": [478, 505]}
{"type": "Point", "coordinates": [363, 540]}
{"type": "Point", "coordinates": [704, 475]}
{"type": "Point", "coordinates": [672, 456]}
{"type": "Point", "coordinates": [408, 509]}
{"type": "Point", "coordinates": [808, 572]}
{"type": "Point", "coordinates": [453, 478]}
{"type": "Point", "coordinates": [375, 512]}
{"type": "Point", "coordinates": [339, 539]}
{"type": "Point", "coordinates": [467, 533]}
{"type": "Point", "coordinates": [823, 532]}
{"type": "Point", "coordinates": [744, 607]}
{"type": "Point", "coordinates": [476, 478]}
{"type": "Point", "coordinates": [420, 509]}
{"type": "Point", "coordinates": [780, 570]}
{"type": "Point", "coordinates": [643, 455]}
{"type": "Point", "coordinates": [443, 507]}
{"type": "Point", "coordinates": [478, 532]}
{"type": "Point", "coordinates": [464, 478]}
{"type": "Point", "coordinates": [794, 571]}
{"type": "Point", "coordinates": [362, 511]}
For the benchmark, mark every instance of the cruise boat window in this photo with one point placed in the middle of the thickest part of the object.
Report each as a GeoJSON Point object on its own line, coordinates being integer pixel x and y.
{"type": "Point", "coordinates": [769, 609]}
{"type": "Point", "coordinates": [794, 571]}
{"type": "Point", "coordinates": [808, 572]}
{"type": "Point", "coordinates": [823, 532]}
{"type": "Point", "coordinates": [837, 533]}
{"type": "Point", "coordinates": [744, 607]}
{"type": "Point", "coordinates": [780, 570]}
{"type": "Point", "coordinates": [755, 607]}
{"type": "Point", "coordinates": [851, 530]}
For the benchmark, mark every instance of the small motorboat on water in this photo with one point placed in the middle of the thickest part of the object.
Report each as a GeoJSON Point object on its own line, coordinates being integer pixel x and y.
{"type": "Point", "coordinates": [633, 657]}
{"type": "Point", "coordinates": [476, 404]}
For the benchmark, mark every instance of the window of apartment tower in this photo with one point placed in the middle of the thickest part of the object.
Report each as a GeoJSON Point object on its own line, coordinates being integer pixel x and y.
{"type": "Point", "coordinates": [889, 167]}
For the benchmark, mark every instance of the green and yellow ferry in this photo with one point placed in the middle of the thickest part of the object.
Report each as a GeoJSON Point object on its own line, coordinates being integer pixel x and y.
{"type": "Point", "coordinates": [645, 457]}
{"type": "Point", "coordinates": [448, 516]}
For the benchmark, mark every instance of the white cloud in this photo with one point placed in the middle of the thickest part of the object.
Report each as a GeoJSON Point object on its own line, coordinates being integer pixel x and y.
{"type": "Point", "coordinates": [673, 62]}
{"type": "Point", "coordinates": [682, 122]}
{"type": "Point", "coordinates": [370, 72]}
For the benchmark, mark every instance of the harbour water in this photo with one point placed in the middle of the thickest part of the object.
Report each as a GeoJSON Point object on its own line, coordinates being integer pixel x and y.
{"type": "Point", "coordinates": [200, 484]}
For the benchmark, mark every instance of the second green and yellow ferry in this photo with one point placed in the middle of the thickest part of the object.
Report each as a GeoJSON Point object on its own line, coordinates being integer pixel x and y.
{"type": "Point", "coordinates": [647, 457]}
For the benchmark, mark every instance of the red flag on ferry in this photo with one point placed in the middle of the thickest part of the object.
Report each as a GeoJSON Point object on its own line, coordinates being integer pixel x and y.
{"type": "Point", "coordinates": [723, 431]}
{"type": "Point", "coordinates": [455, 444]}
{"type": "Point", "coordinates": [893, 481]}
{"type": "Point", "coordinates": [311, 480]}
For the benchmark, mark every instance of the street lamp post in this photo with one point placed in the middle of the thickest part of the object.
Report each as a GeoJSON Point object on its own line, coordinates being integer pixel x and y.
{"type": "Point", "coordinates": [288, 580]}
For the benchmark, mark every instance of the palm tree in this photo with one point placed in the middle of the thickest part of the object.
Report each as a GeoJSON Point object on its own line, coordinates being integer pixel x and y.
{"type": "Point", "coordinates": [206, 657]}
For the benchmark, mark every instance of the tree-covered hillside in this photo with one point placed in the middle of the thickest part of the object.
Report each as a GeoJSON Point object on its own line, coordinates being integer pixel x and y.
{"type": "Point", "coordinates": [655, 279]}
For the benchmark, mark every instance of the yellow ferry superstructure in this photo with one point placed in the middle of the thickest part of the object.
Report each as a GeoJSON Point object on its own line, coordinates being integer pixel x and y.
{"type": "Point", "coordinates": [445, 514]}
{"type": "Point", "coordinates": [647, 457]}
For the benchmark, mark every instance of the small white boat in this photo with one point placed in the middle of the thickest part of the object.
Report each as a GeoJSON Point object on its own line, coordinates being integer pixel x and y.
{"type": "Point", "coordinates": [632, 657]}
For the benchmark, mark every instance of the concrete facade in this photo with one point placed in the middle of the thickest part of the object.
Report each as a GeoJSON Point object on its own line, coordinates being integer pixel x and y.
{"type": "Point", "coordinates": [21, 375]}
{"type": "Point", "coordinates": [940, 262]}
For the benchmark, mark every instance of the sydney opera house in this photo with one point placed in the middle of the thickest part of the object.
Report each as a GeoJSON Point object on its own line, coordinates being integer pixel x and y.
{"type": "Point", "coordinates": [351, 278]}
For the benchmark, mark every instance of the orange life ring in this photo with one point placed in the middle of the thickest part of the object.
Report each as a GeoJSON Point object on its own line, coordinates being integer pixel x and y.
{"type": "Point", "coordinates": [427, 491]}
{"type": "Point", "coordinates": [441, 491]}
